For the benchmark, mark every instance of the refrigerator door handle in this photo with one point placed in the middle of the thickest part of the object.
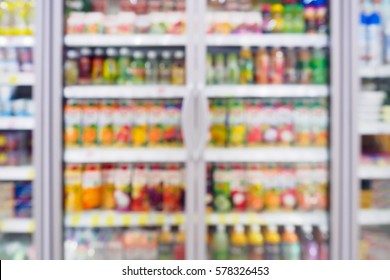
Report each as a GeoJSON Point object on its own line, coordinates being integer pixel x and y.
{"type": "Point", "coordinates": [204, 121]}
{"type": "Point", "coordinates": [187, 121]}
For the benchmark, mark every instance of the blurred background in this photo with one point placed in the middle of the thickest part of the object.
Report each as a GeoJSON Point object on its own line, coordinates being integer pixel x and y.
{"type": "Point", "coordinates": [210, 129]}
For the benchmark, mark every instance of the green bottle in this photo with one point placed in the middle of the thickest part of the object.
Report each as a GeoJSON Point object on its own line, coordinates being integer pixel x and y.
{"type": "Point", "coordinates": [220, 244]}
{"type": "Point", "coordinates": [219, 69]}
{"type": "Point", "coordinates": [233, 75]}
{"type": "Point", "coordinates": [110, 67]}
{"type": "Point", "coordinates": [138, 69]}
{"type": "Point", "coordinates": [319, 67]}
{"type": "Point", "coordinates": [209, 69]}
{"type": "Point", "coordinates": [124, 66]}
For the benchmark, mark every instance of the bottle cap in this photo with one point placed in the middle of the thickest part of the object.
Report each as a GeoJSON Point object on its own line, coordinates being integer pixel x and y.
{"type": "Point", "coordinates": [239, 228]}
{"type": "Point", "coordinates": [289, 228]}
{"type": "Point", "coordinates": [72, 54]}
{"type": "Point", "coordinates": [166, 228]}
{"type": "Point", "coordinates": [166, 54]}
{"type": "Point", "coordinates": [152, 54]}
{"type": "Point", "coordinates": [374, 19]}
{"type": "Point", "coordinates": [98, 52]}
{"type": "Point", "coordinates": [255, 228]}
{"type": "Point", "coordinates": [85, 52]}
{"type": "Point", "coordinates": [138, 54]}
{"type": "Point", "coordinates": [307, 229]}
{"type": "Point", "coordinates": [272, 228]}
{"type": "Point", "coordinates": [277, 8]}
{"type": "Point", "coordinates": [221, 228]}
{"type": "Point", "coordinates": [124, 52]}
{"type": "Point", "coordinates": [324, 229]}
{"type": "Point", "coordinates": [179, 54]}
{"type": "Point", "coordinates": [112, 52]}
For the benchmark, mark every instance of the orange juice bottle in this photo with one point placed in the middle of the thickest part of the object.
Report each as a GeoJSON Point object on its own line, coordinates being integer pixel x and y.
{"type": "Point", "coordinates": [90, 123]}
{"type": "Point", "coordinates": [106, 123]}
{"type": "Point", "coordinates": [238, 244]}
{"type": "Point", "coordinates": [272, 243]}
{"type": "Point", "coordinates": [73, 112]}
{"type": "Point", "coordinates": [271, 190]}
{"type": "Point", "coordinates": [73, 188]}
{"type": "Point", "coordinates": [165, 248]}
{"type": "Point", "coordinates": [140, 125]}
{"type": "Point", "coordinates": [108, 187]}
{"type": "Point", "coordinates": [256, 243]}
{"type": "Point", "coordinates": [92, 187]}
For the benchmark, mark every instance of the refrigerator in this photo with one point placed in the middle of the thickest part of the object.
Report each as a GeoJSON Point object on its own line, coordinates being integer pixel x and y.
{"type": "Point", "coordinates": [17, 124]}
{"type": "Point", "coordinates": [268, 173]}
{"type": "Point", "coordinates": [371, 29]}
{"type": "Point", "coordinates": [236, 155]}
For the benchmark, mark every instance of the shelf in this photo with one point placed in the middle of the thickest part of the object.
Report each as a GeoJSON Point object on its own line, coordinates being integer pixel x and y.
{"type": "Point", "coordinates": [17, 225]}
{"type": "Point", "coordinates": [374, 172]}
{"type": "Point", "coordinates": [372, 217]}
{"type": "Point", "coordinates": [159, 91]}
{"type": "Point", "coordinates": [267, 91]}
{"type": "Point", "coordinates": [111, 155]}
{"type": "Point", "coordinates": [16, 173]}
{"type": "Point", "coordinates": [118, 219]}
{"type": "Point", "coordinates": [17, 79]}
{"type": "Point", "coordinates": [16, 41]}
{"type": "Point", "coordinates": [375, 72]}
{"type": "Point", "coordinates": [269, 40]}
{"type": "Point", "coordinates": [374, 128]}
{"type": "Point", "coordinates": [277, 154]}
{"type": "Point", "coordinates": [16, 123]}
{"type": "Point", "coordinates": [274, 218]}
{"type": "Point", "coordinates": [96, 40]}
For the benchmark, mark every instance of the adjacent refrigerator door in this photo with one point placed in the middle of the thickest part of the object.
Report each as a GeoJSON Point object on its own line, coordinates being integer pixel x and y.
{"type": "Point", "coordinates": [266, 96]}
{"type": "Point", "coordinates": [124, 82]}
{"type": "Point", "coordinates": [373, 114]}
{"type": "Point", "coordinates": [19, 194]}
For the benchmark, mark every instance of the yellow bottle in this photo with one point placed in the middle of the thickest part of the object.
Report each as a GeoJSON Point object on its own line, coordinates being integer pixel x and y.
{"type": "Point", "coordinates": [165, 249]}
{"type": "Point", "coordinates": [272, 243]}
{"type": "Point", "coordinates": [239, 244]}
{"type": "Point", "coordinates": [256, 243]}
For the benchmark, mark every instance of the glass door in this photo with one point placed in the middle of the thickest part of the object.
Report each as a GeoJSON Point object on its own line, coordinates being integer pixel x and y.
{"type": "Point", "coordinates": [266, 98]}
{"type": "Point", "coordinates": [126, 118]}
{"type": "Point", "coordinates": [374, 129]}
{"type": "Point", "coordinates": [16, 128]}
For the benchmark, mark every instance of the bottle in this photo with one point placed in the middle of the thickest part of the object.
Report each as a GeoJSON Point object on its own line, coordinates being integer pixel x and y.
{"type": "Point", "coordinates": [110, 67]}
{"type": "Point", "coordinates": [85, 66]}
{"type": "Point", "coordinates": [179, 246]}
{"type": "Point", "coordinates": [238, 244]}
{"type": "Point", "coordinates": [310, 18]}
{"type": "Point", "coordinates": [210, 69]}
{"type": "Point", "coordinates": [323, 241]}
{"type": "Point", "coordinates": [165, 248]}
{"type": "Point", "coordinates": [5, 18]}
{"type": "Point", "coordinates": [71, 68]}
{"type": "Point", "coordinates": [310, 250]}
{"type": "Point", "coordinates": [375, 44]}
{"type": "Point", "coordinates": [219, 69]}
{"type": "Point", "coordinates": [178, 69]}
{"type": "Point", "coordinates": [288, 17]}
{"type": "Point", "coordinates": [291, 75]}
{"type": "Point", "coordinates": [256, 243]}
{"type": "Point", "coordinates": [246, 66]}
{"type": "Point", "coordinates": [165, 68]}
{"type": "Point", "coordinates": [233, 69]}
{"type": "Point", "coordinates": [92, 187]}
{"type": "Point", "coordinates": [321, 12]}
{"type": "Point", "coordinates": [267, 19]}
{"type": "Point", "coordinates": [298, 22]}
{"type": "Point", "coordinates": [277, 66]}
{"type": "Point", "coordinates": [304, 67]}
{"type": "Point", "coordinates": [263, 64]}
{"type": "Point", "coordinates": [97, 67]}
{"type": "Point", "coordinates": [272, 243]}
{"type": "Point", "coordinates": [122, 182]}
{"type": "Point", "coordinates": [138, 68]}
{"type": "Point", "coordinates": [290, 247]}
{"type": "Point", "coordinates": [220, 244]}
{"type": "Point", "coordinates": [151, 68]}
{"type": "Point", "coordinates": [277, 18]}
{"type": "Point", "coordinates": [124, 66]}
{"type": "Point", "coordinates": [319, 67]}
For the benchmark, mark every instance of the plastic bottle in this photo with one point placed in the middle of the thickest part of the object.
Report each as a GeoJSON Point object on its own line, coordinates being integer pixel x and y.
{"type": "Point", "coordinates": [5, 18]}
{"type": "Point", "coordinates": [233, 69]}
{"type": "Point", "coordinates": [256, 243]}
{"type": "Point", "coordinates": [272, 243]}
{"type": "Point", "coordinates": [319, 67]}
{"type": "Point", "coordinates": [219, 69]}
{"type": "Point", "coordinates": [165, 248]}
{"type": "Point", "coordinates": [97, 67]}
{"type": "Point", "coordinates": [178, 69]}
{"type": "Point", "coordinates": [85, 66]}
{"type": "Point", "coordinates": [288, 18]}
{"type": "Point", "coordinates": [71, 68]}
{"type": "Point", "coordinates": [238, 244]}
{"type": "Point", "coordinates": [277, 18]}
{"type": "Point", "coordinates": [263, 64]}
{"type": "Point", "coordinates": [151, 68]}
{"type": "Point", "coordinates": [309, 246]}
{"type": "Point", "coordinates": [290, 247]}
{"type": "Point", "coordinates": [375, 42]}
{"type": "Point", "coordinates": [246, 66]}
{"type": "Point", "coordinates": [267, 19]}
{"type": "Point", "coordinates": [138, 68]}
{"type": "Point", "coordinates": [210, 69]}
{"type": "Point", "coordinates": [278, 66]}
{"type": "Point", "coordinates": [165, 68]}
{"type": "Point", "coordinates": [291, 74]}
{"type": "Point", "coordinates": [179, 246]}
{"type": "Point", "coordinates": [220, 244]}
{"type": "Point", "coordinates": [323, 241]}
{"type": "Point", "coordinates": [124, 66]}
{"type": "Point", "coordinates": [321, 12]}
{"type": "Point", "coordinates": [110, 67]}
{"type": "Point", "coordinates": [304, 67]}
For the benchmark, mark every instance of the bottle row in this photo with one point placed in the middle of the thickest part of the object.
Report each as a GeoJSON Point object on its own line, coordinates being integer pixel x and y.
{"type": "Point", "coordinates": [126, 23]}
{"type": "Point", "coordinates": [15, 200]}
{"type": "Point", "coordinates": [124, 187]}
{"type": "Point", "coordinates": [16, 60]}
{"type": "Point", "coordinates": [125, 244]}
{"type": "Point", "coordinates": [138, 6]}
{"type": "Point", "coordinates": [123, 123]}
{"type": "Point", "coordinates": [268, 122]}
{"type": "Point", "coordinates": [112, 66]}
{"type": "Point", "coordinates": [270, 18]}
{"type": "Point", "coordinates": [268, 243]}
{"type": "Point", "coordinates": [375, 243]}
{"type": "Point", "coordinates": [257, 187]}
{"type": "Point", "coordinates": [15, 148]}
{"type": "Point", "coordinates": [17, 17]}
{"type": "Point", "coordinates": [268, 66]}
{"type": "Point", "coordinates": [16, 247]}
{"type": "Point", "coordinates": [375, 194]}
{"type": "Point", "coordinates": [374, 33]}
